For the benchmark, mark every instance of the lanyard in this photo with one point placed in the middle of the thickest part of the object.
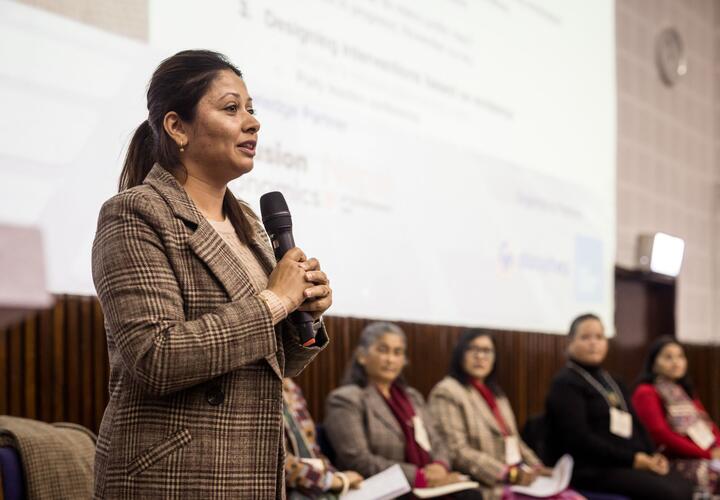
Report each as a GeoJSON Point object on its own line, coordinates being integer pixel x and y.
{"type": "Point", "coordinates": [620, 400]}
{"type": "Point", "coordinates": [304, 448]}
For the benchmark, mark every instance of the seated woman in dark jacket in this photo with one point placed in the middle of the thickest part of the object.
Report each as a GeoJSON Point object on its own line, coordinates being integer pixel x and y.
{"type": "Point", "coordinates": [590, 416]}
{"type": "Point", "coordinates": [675, 418]}
{"type": "Point", "coordinates": [375, 420]}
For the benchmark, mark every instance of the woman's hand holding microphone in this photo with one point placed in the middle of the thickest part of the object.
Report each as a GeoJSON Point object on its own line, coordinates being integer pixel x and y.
{"type": "Point", "coordinates": [300, 284]}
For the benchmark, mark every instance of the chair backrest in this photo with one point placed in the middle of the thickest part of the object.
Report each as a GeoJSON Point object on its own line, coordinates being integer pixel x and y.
{"type": "Point", "coordinates": [534, 433]}
{"type": "Point", "coordinates": [11, 472]}
{"type": "Point", "coordinates": [55, 460]}
{"type": "Point", "coordinates": [324, 443]}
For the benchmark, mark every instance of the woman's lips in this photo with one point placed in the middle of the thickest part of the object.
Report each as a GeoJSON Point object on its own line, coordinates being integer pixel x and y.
{"type": "Point", "coordinates": [247, 148]}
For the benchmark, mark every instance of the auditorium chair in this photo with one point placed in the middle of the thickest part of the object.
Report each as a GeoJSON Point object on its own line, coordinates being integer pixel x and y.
{"type": "Point", "coordinates": [41, 461]}
{"type": "Point", "coordinates": [12, 482]}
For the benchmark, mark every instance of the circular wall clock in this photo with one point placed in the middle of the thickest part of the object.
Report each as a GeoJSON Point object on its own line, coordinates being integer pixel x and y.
{"type": "Point", "coordinates": [670, 56]}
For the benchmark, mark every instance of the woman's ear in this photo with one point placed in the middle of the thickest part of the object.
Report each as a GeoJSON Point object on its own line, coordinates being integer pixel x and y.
{"type": "Point", "coordinates": [175, 128]}
{"type": "Point", "coordinates": [361, 356]}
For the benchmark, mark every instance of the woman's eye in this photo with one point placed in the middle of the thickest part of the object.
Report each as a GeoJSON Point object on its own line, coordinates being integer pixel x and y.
{"type": "Point", "coordinates": [251, 111]}
{"type": "Point", "coordinates": [232, 108]}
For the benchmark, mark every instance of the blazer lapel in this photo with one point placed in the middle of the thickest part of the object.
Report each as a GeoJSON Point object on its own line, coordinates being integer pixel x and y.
{"type": "Point", "coordinates": [380, 408]}
{"type": "Point", "coordinates": [483, 410]}
{"type": "Point", "coordinates": [205, 242]}
{"type": "Point", "coordinates": [209, 246]}
{"type": "Point", "coordinates": [507, 414]}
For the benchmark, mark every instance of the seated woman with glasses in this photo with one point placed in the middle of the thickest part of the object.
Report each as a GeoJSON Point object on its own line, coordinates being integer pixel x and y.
{"type": "Point", "coordinates": [476, 421]}
{"type": "Point", "coordinates": [375, 420]}
{"type": "Point", "coordinates": [674, 416]}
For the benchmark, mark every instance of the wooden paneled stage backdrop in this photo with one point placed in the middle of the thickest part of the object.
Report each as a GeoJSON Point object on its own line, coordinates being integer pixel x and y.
{"type": "Point", "coordinates": [53, 366]}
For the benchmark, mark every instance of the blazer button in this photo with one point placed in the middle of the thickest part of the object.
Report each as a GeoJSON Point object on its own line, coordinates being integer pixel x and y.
{"type": "Point", "coordinates": [215, 395]}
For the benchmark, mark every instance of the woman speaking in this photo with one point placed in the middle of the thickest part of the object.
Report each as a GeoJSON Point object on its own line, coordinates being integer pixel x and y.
{"type": "Point", "coordinates": [194, 302]}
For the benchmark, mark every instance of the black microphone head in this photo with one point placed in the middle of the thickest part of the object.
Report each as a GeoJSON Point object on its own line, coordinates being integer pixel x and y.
{"type": "Point", "coordinates": [275, 212]}
{"type": "Point", "coordinates": [272, 203]}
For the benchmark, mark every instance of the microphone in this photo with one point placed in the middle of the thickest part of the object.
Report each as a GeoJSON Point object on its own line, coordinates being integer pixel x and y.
{"type": "Point", "coordinates": [278, 224]}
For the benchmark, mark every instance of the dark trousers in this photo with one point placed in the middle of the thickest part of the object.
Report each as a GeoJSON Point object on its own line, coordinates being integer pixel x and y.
{"type": "Point", "coordinates": [636, 484]}
{"type": "Point", "coordinates": [460, 495]}
{"type": "Point", "coordinates": [467, 495]}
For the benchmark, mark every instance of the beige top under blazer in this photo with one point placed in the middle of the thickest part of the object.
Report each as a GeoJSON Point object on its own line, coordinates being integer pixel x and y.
{"type": "Point", "coordinates": [196, 365]}
{"type": "Point", "coordinates": [471, 432]}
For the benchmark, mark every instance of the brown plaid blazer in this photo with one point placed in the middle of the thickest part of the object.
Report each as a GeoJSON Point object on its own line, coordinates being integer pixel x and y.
{"type": "Point", "coordinates": [473, 436]}
{"type": "Point", "coordinates": [196, 365]}
{"type": "Point", "coordinates": [366, 435]}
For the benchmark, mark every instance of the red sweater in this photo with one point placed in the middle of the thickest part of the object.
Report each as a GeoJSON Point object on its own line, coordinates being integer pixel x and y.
{"type": "Point", "coordinates": [651, 412]}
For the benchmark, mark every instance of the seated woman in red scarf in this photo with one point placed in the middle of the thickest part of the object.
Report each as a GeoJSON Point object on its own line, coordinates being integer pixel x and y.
{"type": "Point", "coordinates": [308, 473]}
{"type": "Point", "coordinates": [476, 421]}
{"type": "Point", "coordinates": [677, 421]}
{"type": "Point", "coordinates": [375, 420]}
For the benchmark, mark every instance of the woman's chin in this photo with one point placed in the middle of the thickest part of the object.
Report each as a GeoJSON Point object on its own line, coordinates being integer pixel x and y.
{"type": "Point", "coordinates": [389, 378]}
{"type": "Point", "coordinates": [591, 359]}
{"type": "Point", "coordinates": [244, 167]}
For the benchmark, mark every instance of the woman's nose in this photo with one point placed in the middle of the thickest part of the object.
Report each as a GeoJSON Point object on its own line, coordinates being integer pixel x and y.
{"type": "Point", "coordinates": [251, 125]}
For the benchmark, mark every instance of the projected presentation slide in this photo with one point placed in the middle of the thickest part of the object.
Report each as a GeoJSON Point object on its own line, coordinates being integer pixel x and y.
{"type": "Point", "coordinates": [448, 161]}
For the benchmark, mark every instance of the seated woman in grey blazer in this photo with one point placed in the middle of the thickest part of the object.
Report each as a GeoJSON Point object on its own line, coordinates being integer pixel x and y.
{"type": "Point", "coordinates": [375, 420]}
{"type": "Point", "coordinates": [476, 422]}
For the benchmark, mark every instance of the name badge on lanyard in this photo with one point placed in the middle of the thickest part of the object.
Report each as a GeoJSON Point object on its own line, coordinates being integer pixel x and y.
{"type": "Point", "coordinates": [512, 450]}
{"type": "Point", "coordinates": [421, 435]}
{"type": "Point", "coordinates": [620, 423]}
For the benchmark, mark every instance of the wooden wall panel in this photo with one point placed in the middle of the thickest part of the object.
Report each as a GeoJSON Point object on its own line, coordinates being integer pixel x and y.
{"type": "Point", "coordinates": [45, 358]}
{"type": "Point", "coordinates": [4, 372]}
{"type": "Point", "coordinates": [57, 385]}
{"type": "Point", "coordinates": [527, 363]}
{"type": "Point", "coordinates": [30, 366]}
{"type": "Point", "coordinates": [15, 365]}
{"type": "Point", "coordinates": [54, 367]}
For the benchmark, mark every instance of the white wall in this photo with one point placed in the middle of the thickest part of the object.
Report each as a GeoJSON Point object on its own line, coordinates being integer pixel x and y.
{"type": "Point", "coordinates": [668, 148]}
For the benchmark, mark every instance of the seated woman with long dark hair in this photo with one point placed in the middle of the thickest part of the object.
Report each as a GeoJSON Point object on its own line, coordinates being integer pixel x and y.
{"type": "Point", "coordinates": [667, 405]}
{"type": "Point", "coordinates": [591, 417]}
{"type": "Point", "coordinates": [476, 421]}
{"type": "Point", "coordinates": [374, 420]}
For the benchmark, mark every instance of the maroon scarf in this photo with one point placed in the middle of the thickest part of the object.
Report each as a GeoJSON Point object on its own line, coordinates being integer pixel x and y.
{"type": "Point", "coordinates": [402, 408]}
{"type": "Point", "coordinates": [489, 398]}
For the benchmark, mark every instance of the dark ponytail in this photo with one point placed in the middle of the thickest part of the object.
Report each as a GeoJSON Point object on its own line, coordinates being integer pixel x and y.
{"type": "Point", "coordinates": [139, 159]}
{"type": "Point", "coordinates": [178, 84]}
